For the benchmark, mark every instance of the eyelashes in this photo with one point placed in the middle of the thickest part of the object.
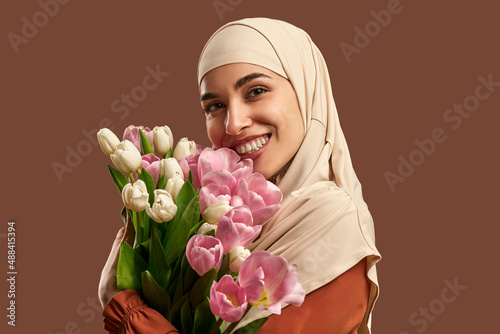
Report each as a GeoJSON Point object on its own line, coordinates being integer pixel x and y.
{"type": "Point", "coordinates": [253, 94]}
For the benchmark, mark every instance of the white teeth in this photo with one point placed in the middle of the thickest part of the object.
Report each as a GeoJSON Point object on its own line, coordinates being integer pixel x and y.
{"type": "Point", "coordinates": [252, 146]}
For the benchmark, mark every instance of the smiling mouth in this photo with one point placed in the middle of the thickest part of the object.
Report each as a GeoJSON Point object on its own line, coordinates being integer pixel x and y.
{"type": "Point", "coordinates": [253, 145]}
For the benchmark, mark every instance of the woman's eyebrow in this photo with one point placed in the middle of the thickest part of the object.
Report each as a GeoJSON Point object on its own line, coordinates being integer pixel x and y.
{"type": "Point", "coordinates": [238, 84]}
{"type": "Point", "coordinates": [208, 96]}
{"type": "Point", "coordinates": [248, 78]}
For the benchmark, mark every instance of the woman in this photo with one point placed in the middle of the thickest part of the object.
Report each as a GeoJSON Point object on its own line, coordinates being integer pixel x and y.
{"type": "Point", "coordinates": [266, 93]}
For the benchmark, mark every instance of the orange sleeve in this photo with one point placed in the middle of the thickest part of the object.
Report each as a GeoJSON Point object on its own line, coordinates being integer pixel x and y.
{"type": "Point", "coordinates": [337, 307]}
{"type": "Point", "coordinates": [126, 313]}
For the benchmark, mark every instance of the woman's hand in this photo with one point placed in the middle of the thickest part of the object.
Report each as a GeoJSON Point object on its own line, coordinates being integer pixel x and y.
{"type": "Point", "coordinates": [107, 284]}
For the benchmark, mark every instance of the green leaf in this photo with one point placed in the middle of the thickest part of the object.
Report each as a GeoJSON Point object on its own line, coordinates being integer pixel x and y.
{"type": "Point", "coordinates": [150, 184]}
{"type": "Point", "coordinates": [195, 228]}
{"type": "Point", "coordinates": [162, 182]}
{"type": "Point", "coordinates": [179, 290]}
{"type": "Point", "coordinates": [119, 179]}
{"type": "Point", "coordinates": [210, 233]}
{"type": "Point", "coordinates": [224, 268]}
{"type": "Point", "coordinates": [155, 296]}
{"type": "Point", "coordinates": [188, 274]}
{"type": "Point", "coordinates": [186, 194]}
{"type": "Point", "coordinates": [158, 265]}
{"type": "Point", "coordinates": [196, 214]}
{"type": "Point", "coordinates": [178, 232]}
{"type": "Point", "coordinates": [204, 320]}
{"type": "Point", "coordinates": [186, 318]}
{"type": "Point", "coordinates": [123, 214]}
{"type": "Point", "coordinates": [201, 288]}
{"type": "Point", "coordinates": [146, 146]}
{"type": "Point", "coordinates": [145, 225]}
{"type": "Point", "coordinates": [169, 154]}
{"type": "Point", "coordinates": [172, 287]}
{"type": "Point", "coordinates": [190, 177]}
{"type": "Point", "coordinates": [130, 267]}
{"type": "Point", "coordinates": [143, 250]}
{"type": "Point", "coordinates": [175, 312]}
{"type": "Point", "coordinates": [253, 327]}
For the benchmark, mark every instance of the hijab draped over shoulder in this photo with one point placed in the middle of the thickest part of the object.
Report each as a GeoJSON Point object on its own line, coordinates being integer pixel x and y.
{"type": "Point", "coordinates": [324, 225]}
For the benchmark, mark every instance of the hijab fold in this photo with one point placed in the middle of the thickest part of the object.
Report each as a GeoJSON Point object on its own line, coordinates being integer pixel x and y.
{"type": "Point", "coordinates": [324, 225]}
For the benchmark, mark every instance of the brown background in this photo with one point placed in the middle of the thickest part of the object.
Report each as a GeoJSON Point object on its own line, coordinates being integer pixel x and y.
{"type": "Point", "coordinates": [440, 224]}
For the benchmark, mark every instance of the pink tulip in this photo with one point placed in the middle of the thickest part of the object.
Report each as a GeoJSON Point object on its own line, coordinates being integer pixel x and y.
{"type": "Point", "coordinates": [262, 197]}
{"type": "Point", "coordinates": [221, 177]}
{"type": "Point", "coordinates": [190, 163]}
{"type": "Point", "coordinates": [151, 163]}
{"type": "Point", "coordinates": [268, 282]}
{"type": "Point", "coordinates": [236, 229]}
{"type": "Point", "coordinates": [132, 133]}
{"type": "Point", "coordinates": [212, 194]}
{"type": "Point", "coordinates": [227, 299]}
{"type": "Point", "coordinates": [204, 253]}
{"type": "Point", "coordinates": [222, 159]}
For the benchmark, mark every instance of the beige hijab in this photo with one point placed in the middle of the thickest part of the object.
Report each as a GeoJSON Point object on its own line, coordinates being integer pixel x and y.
{"type": "Point", "coordinates": [324, 225]}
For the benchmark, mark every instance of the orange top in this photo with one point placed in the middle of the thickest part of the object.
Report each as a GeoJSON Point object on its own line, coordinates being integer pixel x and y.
{"type": "Point", "coordinates": [337, 307]}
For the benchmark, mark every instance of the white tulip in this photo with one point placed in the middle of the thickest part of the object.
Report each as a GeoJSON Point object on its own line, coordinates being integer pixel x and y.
{"type": "Point", "coordinates": [126, 157]}
{"type": "Point", "coordinates": [170, 168]}
{"type": "Point", "coordinates": [107, 140]}
{"type": "Point", "coordinates": [174, 185]}
{"type": "Point", "coordinates": [135, 196]}
{"type": "Point", "coordinates": [236, 257]}
{"type": "Point", "coordinates": [184, 148]}
{"type": "Point", "coordinates": [212, 214]}
{"type": "Point", "coordinates": [164, 208]}
{"type": "Point", "coordinates": [163, 139]}
{"type": "Point", "coordinates": [205, 227]}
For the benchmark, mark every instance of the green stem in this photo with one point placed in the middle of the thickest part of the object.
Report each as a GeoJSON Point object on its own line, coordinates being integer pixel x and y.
{"type": "Point", "coordinates": [137, 227]}
{"type": "Point", "coordinates": [216, 326]}
{"type": "Point", "coordinates": [131, 177]}
{"type": "Point", "coordinates": [234, 324]}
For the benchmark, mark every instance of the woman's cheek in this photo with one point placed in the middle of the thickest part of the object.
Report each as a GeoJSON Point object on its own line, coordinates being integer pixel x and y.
{"type": "Point", "coordinates": [215, 132]}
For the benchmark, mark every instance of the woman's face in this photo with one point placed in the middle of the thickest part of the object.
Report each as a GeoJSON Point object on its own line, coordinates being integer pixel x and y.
{"type": "Point", "coordinates": [254, 112]}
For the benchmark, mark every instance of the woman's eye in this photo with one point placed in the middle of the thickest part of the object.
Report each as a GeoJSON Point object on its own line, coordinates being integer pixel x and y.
{"type": "Point", "coordinates": [256, 92]}
{"type": "Point", "coordinates": [213, 107]}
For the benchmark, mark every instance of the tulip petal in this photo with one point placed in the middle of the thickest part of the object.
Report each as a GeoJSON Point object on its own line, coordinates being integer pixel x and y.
{"type": "Point", "coordinates": [227, 299]}
{"type": "Point", "coordinates": [254, 285]}
{"type": "Point", "coordinates": [296, 297]}
{"type": "Point", "coordinates": [227, 234]}
{"type": "Point", "coordinates": [260, 216]}
{"type": "Point", "coordinates": [203, 253]}
{"type": "Point", "coordinates": [220, 177]}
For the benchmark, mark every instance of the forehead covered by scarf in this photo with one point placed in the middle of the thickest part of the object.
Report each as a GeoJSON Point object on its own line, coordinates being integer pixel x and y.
{"type": "Point", "coordinates": [236, 43]}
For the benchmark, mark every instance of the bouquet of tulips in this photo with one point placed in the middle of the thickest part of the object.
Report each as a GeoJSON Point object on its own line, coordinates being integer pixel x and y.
{"type": "Point", "coordinates": [195, 210]}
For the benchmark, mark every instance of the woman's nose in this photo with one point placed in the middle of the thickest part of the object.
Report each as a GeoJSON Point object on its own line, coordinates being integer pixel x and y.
{"type": "Point", "coordinates": [236, 120]}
